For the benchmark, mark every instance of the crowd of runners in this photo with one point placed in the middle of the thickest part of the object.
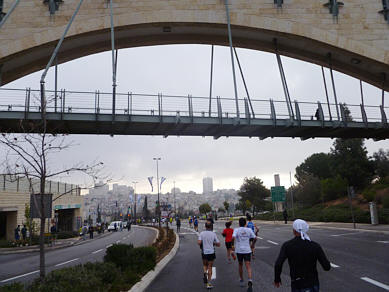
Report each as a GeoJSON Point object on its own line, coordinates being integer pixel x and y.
{"type": "Point", "coordinates": [302, 253]}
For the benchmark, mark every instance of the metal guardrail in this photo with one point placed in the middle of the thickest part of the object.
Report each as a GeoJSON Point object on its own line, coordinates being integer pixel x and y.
{"type": "Point", "coordinates": [28, 100]}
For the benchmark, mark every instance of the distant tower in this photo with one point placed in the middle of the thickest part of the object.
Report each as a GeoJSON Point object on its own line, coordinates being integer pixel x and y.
{"type": "Point", "coordinates": [207, 185]}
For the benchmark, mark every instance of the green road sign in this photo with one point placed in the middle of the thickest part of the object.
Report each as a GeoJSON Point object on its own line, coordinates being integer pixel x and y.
{"type": "Point", "coordinates": [278, 194]}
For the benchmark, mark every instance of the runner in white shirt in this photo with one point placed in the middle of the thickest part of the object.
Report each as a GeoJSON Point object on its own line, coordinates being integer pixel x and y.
{"type": "Point", "coordinates": [241, 238]}
{"type": "Point", "coordinates": [207, 240]}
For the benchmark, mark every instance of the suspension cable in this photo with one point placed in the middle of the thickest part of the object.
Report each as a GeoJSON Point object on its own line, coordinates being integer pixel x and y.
{"type": "Point", "coordinates": [114, 59]}
{"type": "Point", "coordinates": [333, 85]}
{"type": "Point", "coordinates": [326, 90]}
{"type": "Point", "coordinates": [362, 99]}
{"type": "Point", "coordinates": [244, 82]}
{"type": "Point", "coordinates": [284, 83]}
{"type": "Point", "coordinates": [232, 58]}
{"type": "Point", "coordinates": [211, 83]}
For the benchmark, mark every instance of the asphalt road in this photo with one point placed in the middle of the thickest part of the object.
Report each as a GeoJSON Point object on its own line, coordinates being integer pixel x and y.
{"type": "Point", "coordinates": [360, 262]}
{"type": "Point", "coordinates": [24, 267]}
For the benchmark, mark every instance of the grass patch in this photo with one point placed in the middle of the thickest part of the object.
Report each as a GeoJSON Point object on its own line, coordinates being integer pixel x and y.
{"type": "Point", "coordinates": [322, 213]}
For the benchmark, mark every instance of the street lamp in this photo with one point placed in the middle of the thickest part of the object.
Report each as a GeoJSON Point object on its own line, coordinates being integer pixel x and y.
{"type": "Point", "coordinates": [135, 182]}
{"type": "Point", "coordinates": [159, 206]}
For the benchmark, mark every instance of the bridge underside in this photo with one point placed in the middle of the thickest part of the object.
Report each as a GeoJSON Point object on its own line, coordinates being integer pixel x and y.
{"type": "Point", "coordinates": [313, 51]}
{"type": "Point", "coordinates": [72, 123]}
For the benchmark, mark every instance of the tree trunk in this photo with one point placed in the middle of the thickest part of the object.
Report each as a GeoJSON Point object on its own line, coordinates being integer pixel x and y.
{"type": "Point", "coordinates": [42, 264]}
{"type": "Point", "coordinates": [42, 267]}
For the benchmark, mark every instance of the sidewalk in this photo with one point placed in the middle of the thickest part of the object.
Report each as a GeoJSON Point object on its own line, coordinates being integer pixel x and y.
{"type": "Point", "coordinates": [382, 228]}
{"type": "Point", "coordinates": [60, 243]}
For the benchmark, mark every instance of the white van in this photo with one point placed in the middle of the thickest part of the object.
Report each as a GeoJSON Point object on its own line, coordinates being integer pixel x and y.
{"type": "Point", "coordinates": [111, 226]}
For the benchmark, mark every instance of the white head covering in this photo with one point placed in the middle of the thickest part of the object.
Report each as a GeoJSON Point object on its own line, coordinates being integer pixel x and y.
{"type": "Point", "coordinates": [301, 227]}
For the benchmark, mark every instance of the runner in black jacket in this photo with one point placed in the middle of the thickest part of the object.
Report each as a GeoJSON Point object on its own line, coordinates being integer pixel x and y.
{"type": "Point", "coordinates": [302, 255]}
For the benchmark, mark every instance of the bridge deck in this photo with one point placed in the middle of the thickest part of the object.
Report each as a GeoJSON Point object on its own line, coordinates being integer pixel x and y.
{"type": "Point", "coordinates": [76, 123]}
{"type": "Point", "coordinates": [141, 114]}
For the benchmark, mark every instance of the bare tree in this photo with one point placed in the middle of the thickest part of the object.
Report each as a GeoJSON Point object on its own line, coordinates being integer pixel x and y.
{"type": "Point", "coordinates": [32, 154]}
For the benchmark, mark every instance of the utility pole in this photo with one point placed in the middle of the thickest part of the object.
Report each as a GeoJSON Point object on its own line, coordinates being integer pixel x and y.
{"type": "Point", "coordinates": [174, 194]}
{"type": "Point", "coordinates": [135, 182]}
{"type": "Point", "coordinates": [159, 205]}
{"type": "Point", "coordinates": [291, 192]}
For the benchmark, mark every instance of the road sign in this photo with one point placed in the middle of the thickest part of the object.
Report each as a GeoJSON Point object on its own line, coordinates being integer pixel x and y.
{"type": "Point", "coordinates": [278, 194]}
{"type": "Point", "coordinates": [35, 205]}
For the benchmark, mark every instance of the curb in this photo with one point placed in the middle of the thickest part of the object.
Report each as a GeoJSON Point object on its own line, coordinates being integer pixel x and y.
{"type": "Point", "coordinates": [48, 248]}
{"type": "Point", "coordinates": [322, 226]}
{"type": "Point", "coordinates": [150, 276]}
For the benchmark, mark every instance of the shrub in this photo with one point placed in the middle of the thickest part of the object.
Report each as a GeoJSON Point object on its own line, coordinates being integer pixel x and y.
{"type": "Point", "coordinates": [126, 257]}
{"type": "Point", "coordinates": [333, 188]}
{"type": "Point", "coordinates": [119, 255]}
{"type": "Point", "coordinates": [67, 234]}
{"type": "Point", "coordinates": [93, 277]}
{"type": "Point", "coordinates": [6, 243]}
{"type": "Point", "coordinates": [14, 287]}
{"type": "Point", "coordinates": [385, 202]}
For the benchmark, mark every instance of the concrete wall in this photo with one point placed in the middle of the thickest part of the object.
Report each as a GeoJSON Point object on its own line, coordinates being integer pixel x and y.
{"type": "Point", "coordinates": [358, 41]}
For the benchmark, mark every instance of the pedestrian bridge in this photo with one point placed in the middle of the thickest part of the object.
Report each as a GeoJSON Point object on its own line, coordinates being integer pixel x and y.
{"type": "Point", "coordinates": [72, 112]}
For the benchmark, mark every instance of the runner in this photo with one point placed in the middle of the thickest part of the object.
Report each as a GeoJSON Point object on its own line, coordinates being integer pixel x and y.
{"type": "Point", "coordinates": [178, 223]}
{"type": "Point", "coordinates": [190, 222]}
{"type": "Point", "coordinates": [303, 255]}
{"type": "Point", "coordinates": [255, 229]}
{"type": "Point", "coordinates": [227, 233]}
{"type": "Point", "coordinates": [196, 224]}
{"type": "Point", "coordinates": [241, 238]}
{"type": "Point", "coordinates": [207, 240]}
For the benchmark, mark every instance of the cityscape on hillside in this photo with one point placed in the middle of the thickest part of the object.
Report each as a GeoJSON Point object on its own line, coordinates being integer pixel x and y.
{"type": "Point", "coordinates": [120, 200]}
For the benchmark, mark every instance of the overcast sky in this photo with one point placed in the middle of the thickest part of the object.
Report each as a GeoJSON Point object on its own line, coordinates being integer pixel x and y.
{"type": "Point", "coordinates": [182, 70]}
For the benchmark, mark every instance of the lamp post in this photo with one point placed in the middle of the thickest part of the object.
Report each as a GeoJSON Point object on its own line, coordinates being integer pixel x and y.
{"type": "Point", "coordinates": [174, 190]}
{"type": "Point", "coordinates": [135, 182]}
{"type": "Point", "coordinates": [159, 206]}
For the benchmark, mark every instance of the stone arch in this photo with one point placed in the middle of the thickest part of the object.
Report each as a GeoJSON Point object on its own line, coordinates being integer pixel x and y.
{"type": "Point", "coordinates": [304, 30]}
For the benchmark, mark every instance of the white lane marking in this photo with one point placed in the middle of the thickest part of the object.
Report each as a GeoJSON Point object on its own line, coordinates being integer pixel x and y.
{"type": "Point", "coordinates": [382, 241]}
{"type": "Point", "coordinates": [64, 263]}
{"type": "Point", "coordinates": [275, 243]}
{"type": "Point", "coordinates": [374, 282]}
{"type": "Point", "coordinates": [13, 278]}
{"type": "Point", "coordinates": [213, 273]}
{"type": "Point", "coordinates": [346, 234]}
{"type": "Point", "coordinates": [96, 251]}
{"type": "Point", "coordinates": [259, 237]}
{"type": "Point", "coordinates": [109, 245]}
{"type": "Point", "coordinates": [183, 233]}
{"type": "Point", "coordinates": [334, 266]}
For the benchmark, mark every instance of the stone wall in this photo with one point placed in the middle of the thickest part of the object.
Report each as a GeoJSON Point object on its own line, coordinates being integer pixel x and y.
{"type": "Point", "coordinates": [360, 32]}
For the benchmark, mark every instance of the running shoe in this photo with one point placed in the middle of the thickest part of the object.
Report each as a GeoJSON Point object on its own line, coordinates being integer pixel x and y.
{"type": "Point", "coordinates": [250, 283]}
{"type": "Point", "coordinates": [205, 279]}
{"type": "Point", "coordinates": [209, 286]}
{"type": "Point", "coordinates": [241, 283]}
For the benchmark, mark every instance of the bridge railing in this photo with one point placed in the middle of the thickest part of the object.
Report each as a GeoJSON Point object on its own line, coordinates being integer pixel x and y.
{"type": "Point", "coordinates": [28, 100]}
